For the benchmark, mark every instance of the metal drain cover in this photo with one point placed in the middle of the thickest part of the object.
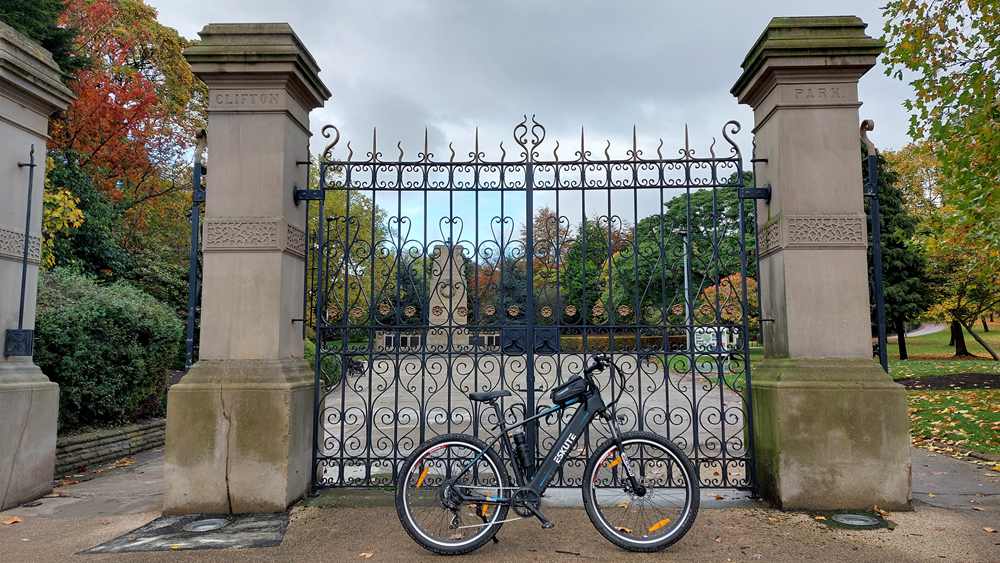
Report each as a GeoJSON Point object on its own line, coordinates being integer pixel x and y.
{"type": "Point", "coordinates": [206, 525]}
{"type": "Point", "coordinates": [855, 520]}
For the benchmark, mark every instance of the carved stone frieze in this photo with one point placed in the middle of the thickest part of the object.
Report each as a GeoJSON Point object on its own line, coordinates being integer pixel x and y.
{"type": "Point", "coordinates": [234, 234]}
{"type": "Point", "coordinates": [295, 241]}
{"type": "Point", "coordinates": [813, 231]}
{"type": "Point", "coordinates": [12, 245]}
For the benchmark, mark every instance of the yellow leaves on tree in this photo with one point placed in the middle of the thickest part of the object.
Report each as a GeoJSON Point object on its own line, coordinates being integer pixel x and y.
{"type": "Point", "coordinates": [60, 214]}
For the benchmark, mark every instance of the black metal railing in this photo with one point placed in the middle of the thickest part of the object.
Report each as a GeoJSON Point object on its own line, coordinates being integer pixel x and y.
{"type": "Point", "coordinates": [430, 278]}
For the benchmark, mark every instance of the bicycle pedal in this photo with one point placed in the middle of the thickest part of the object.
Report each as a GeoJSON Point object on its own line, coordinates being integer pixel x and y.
{"type": "Point", "coordinates": [546, 523]}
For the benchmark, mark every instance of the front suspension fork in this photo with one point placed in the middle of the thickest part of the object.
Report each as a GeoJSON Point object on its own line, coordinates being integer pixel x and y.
{"type": "Point", "coordinates": [633, 483]}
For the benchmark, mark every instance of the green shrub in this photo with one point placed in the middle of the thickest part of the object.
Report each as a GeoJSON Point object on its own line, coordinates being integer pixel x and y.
{"type": "Point", "coordinates": [107, 346]}
{"type": "Point", "coordinates": [622, 343]}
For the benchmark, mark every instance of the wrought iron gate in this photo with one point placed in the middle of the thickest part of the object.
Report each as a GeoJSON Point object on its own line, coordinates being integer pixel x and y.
{"type": "Point", "coordinates": [431, 278]}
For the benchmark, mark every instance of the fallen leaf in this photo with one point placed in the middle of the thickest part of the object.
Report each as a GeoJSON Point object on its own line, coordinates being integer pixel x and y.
{"type": "Point", "coordinates": [977, 508]}
{"type": "Point", "coordinates": [931, 495]}
{"type": "Point", "coordinates": [996, 467]}
{"type": "Point", "coordinates": [12, 520]}
{"type": "Point", "coordinates": [718, 539]}
{"type": "Point", "coordinates": [989, 530]}
{"type": "Point", "coordinates": [879, 511]}
{"type": "Point", "coordinates": [819, 518]}
{"type": "Point", "coordinates": [366, 555]}
{"type": "Point", "coordinates": [719, 497]}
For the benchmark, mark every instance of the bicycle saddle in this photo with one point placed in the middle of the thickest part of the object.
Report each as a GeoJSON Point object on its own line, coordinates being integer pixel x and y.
{"type": "Point", "coordinates": [487, 396]}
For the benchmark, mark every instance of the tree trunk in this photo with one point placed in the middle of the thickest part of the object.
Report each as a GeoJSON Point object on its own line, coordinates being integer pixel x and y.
{"type": "Point", "coordinates": [958, 339]}
{"type": "Point", "coordinates": [986, 326]}
{"type": "Point", "coordinates": [951, 337]}
{"type": "Point", "coordinates": [901, 338]}
{"type": "Point", "coordinates": [982, 343]}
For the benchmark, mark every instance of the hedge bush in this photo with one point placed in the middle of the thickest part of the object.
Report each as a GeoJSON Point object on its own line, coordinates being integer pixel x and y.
{"type": "Point", "coordinates": [623, 342]}
{"type": "Point", "coordinates": [109, 347]}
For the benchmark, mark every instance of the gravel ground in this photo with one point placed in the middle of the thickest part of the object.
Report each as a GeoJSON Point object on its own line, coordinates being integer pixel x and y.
{"type": "Point", "coordinates": [736, 534]}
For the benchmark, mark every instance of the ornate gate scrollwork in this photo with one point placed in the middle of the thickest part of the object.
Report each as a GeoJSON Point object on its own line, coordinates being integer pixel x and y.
{"type": "Point", "coordinates": [431, 278]}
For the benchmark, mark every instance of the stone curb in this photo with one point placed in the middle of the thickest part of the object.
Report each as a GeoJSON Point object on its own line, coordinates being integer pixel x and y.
{"type": "Point", "coordinates": [101, 446]}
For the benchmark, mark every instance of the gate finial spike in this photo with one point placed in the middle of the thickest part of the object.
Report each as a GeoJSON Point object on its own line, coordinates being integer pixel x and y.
{"type": "Point", "coordinates": [687, 145]}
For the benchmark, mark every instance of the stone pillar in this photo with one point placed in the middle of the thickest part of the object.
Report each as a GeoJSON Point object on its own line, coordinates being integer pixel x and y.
{"type": "Point", "coordinates": [30, 91]}
{"type": "Point", "coordinates": [239, 424]}
{"type": "Point", "coordinates": [448, 312]}
{"type": "Point", "coordinates": [830, 428]}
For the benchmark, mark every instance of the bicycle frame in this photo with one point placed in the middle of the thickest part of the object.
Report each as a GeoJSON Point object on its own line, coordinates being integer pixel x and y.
{"type": "Point", "coordinates": [592, 406]}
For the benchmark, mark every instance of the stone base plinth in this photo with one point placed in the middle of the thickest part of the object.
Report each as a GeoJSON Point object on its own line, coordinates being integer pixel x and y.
{"type": "Point", "coordinates": [239, 437]}
{"type": "Point", "coordinates": [29, 410]}
{"type": "Point", "coordinates": [830, 434]}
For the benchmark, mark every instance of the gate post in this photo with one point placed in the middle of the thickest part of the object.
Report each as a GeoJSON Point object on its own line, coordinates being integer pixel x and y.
{"type": "Point", "coordinates": [830, 427]}
{"type": "Point", "coordinates": [239, 424]}
{"type": "Point", "coordinates": [30, 92]}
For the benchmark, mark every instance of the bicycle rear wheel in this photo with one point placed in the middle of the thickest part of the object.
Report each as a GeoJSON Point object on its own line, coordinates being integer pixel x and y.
{"type": "Point", "coordinates": [427, 499]}
{"type": "Point", "coordinates": [644, 520]}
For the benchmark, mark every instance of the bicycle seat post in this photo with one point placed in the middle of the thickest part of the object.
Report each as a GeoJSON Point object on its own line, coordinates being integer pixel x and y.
{"type": "Point", "coordinates": [501, 424]}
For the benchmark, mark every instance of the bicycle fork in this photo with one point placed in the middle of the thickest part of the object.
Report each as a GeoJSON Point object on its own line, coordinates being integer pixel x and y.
{"type": "Point", "coordinates": [636, 487]}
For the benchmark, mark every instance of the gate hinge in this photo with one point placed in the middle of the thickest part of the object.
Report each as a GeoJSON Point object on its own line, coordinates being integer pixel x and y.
{"type": "Point", "coordinates": [763, 193]}
{"type": "Point", "coordinates": [301, 194]}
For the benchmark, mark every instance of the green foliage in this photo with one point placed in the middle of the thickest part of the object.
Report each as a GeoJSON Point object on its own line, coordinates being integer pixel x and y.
{"type": "Point", "coordinates": [93, 246]}
{"type": "Point", "coordinates": [581, 282]}
{"type": "Point", "coordinates": [107, 346]}
{"type": "Point", "coordinates": [951, 49]}
{"type": "Point", "coordinates": [908, 292]}
{"type": "Point", "coordinates": [644, 274]}
{"type": "Point", "coordinates": [38, 20]}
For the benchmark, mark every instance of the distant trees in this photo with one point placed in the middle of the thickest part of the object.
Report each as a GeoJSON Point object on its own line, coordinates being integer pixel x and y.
{"type": "Point", "coordinates": [906, 286]}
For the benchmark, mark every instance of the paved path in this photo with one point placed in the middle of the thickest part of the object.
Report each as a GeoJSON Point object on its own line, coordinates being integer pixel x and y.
{"type": "Point", "coordinates": [923, 330]}
{"type": "Point", "coordinates": [340, 527]}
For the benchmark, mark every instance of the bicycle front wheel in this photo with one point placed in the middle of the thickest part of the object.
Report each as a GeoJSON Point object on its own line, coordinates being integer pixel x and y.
{"type": "Point", "coordinates": [444, 492]}
{"type": "Point", "coordinates": [653, 515]}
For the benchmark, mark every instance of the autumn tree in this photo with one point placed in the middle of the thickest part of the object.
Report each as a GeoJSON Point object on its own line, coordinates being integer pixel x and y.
{"type": "Point", "coordinates": [39, 20]}
{"type": "Point", "coordinates": [138, 104]}
{"type": "Point", "coordinates": [951, 49]}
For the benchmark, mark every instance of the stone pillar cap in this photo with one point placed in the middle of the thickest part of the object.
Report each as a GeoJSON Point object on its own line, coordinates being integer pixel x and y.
{"type": "Point", "coordinates": [232, 50]}
{"type": "Point", "coordinates": [30, 68]}
{"type": "Point", "coordinates": [830, 41]}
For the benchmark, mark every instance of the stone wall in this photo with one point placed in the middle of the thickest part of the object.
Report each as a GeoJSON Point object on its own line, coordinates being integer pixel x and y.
{"type": "Point", "coordinates": [102, 446]}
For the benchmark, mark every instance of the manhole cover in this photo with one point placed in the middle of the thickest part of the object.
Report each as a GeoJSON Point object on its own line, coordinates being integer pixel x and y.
{"type": "Point", "coordinates": [857, 520]}
{"type": "Point", "coordinates": [206, 525]}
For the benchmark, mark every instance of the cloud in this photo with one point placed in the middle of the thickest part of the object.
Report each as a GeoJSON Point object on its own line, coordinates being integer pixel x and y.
{"type": "Point", "coordinates": [453, 66]}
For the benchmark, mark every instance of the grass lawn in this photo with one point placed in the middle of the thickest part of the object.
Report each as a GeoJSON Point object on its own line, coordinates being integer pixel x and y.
{"type": "Point", "coordinates": [951, 421]}
{"type": "Point", "coordinates": [964, 420]}
{"type": "Point", "coordinates": [930, 355]}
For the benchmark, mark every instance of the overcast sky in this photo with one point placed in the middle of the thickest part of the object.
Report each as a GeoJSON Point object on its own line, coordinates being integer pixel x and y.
{"type": "Point", "coordinates": [606, 65]}
{"type": "Point", "coordinates": [453, 65]}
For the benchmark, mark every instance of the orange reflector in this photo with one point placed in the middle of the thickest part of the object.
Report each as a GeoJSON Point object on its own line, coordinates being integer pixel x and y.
{"type": "Point", "coordinates": [483, 509]}
{"type": "Point", "coordinates": [423, 475]}
{"type": "Point", "coordinates": [615, 462]}
{"type": "Point", "coordinates": [659, 524]}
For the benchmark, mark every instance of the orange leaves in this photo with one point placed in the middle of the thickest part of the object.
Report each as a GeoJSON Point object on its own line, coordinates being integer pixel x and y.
{"type": "Point", "coordinates": [135, 112]}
